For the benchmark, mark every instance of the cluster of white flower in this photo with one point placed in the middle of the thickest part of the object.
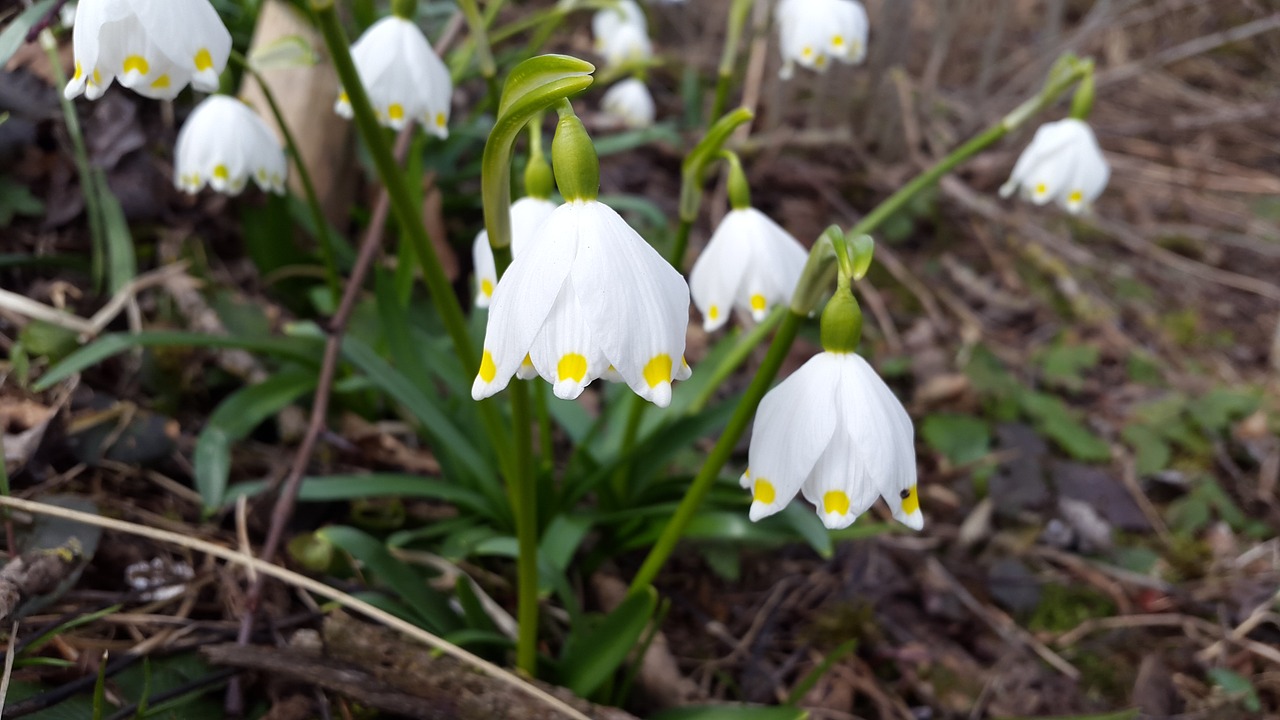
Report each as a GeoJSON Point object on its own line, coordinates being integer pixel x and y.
{"type": "Point", "coordinates": [622, 37]}
{"type": "Point", "coordinates": [404, 77]}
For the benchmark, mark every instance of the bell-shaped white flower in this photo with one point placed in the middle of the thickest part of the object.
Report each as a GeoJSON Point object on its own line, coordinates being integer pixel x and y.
{"type": "Point", "coordinates": [404, 77]}
{"type": "Point", "coordinates": [750, 263]}
{"type": "Point", "coordinates": [1062, 163]}
{"type": "Point", "coordinates": [815, 32]}
{"type": "Point", "coordinates": [607, 21]}
{"type": "Point", "coordinates": [153, 47]}
{"type": "Point", "coordinates": [630, 103]}
{"type": "Point", "coordinates": [587, 298]}
{"type": "Point", "coordinates": [527, 215]}
{"type": "Point", "coordinates": [224, 143]}
{"type": "Point", "coordinates": [629, 44]}
{"type": "Point", "coordinates": [836, 433]}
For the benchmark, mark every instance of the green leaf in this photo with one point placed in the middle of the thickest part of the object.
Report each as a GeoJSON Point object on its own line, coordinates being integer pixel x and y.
{"type": "Point", "coordinates": [1063, 364]}
{"type": "Point", "coordinates": [1237, 686]}
{"type": "Point", "coordinates": [107, 346]}
{"type": "Point", "coordinates": [1217, 409]}
{"type": "Point", "coordinates": [338, 488]}
{"type": "Point", "coordinates": [1151, 452]}
{"type": "Point", "coordinates": [16, 199]}
{"type": "Point", "coordinates": [15, 35]}
{"type": "Point", "coordinates": [233, 420]}
{"type": "Point", "coordinates": [430, 608]}
{"type": "Point", "coordinates": [1053, 418]}
{"type": "Point", "coordinates": [731, 712]}
{"type": "Point", "coordinates": [591, 656]}
{"type": "Point", "coordinates": [962, 439]}
{"type": "Point", "coordinates": [122, 266]}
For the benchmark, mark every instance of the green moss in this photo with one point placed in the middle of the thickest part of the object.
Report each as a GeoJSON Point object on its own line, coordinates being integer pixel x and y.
{"type": "Point", "coordinates": [1064, 607]}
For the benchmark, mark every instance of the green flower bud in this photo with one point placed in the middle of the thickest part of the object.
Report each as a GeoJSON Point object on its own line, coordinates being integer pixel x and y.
{"type": "Point", "coordinates": [739, 190]}
{"type": "Point", "coordinates": [407, 9]}
{"type": "Point", "coordinates": [538, 180]}
{"type": "Point", "coordinates": [841, 322]}
{"type": "Point", "coordinates": [574, 159]}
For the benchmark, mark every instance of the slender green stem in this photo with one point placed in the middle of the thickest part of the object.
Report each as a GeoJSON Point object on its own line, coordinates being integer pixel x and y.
{"type": "Point", "coordinates": [308, 187]}
{"type": "Point", "coordinates": [480, 35]}
{"type": "Point", "coordinates": [740, 352]}
{"type": "Point", "coordinates": [524, 503]}
{"type": "Point", "coordinates": [80, 154]}
{"type": "Point", "coordinates": [1059, 82]}
{"type": "Point", "coordinates": [681, 244]}
{"type": "Point", "coordinates": [706, 477]}
{"type": "Point", "coordinates": [622, 476]}
{"type": "Point", "coordinates": [543, 415]}
{"type": "Point", "coordinates": [728, 59]}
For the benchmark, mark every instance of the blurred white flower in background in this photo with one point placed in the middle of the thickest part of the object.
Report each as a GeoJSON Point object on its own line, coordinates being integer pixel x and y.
{"type": "Point", "coordinates": [814, 32]}
{"type": "Point", "coordinates": [836, 433]}
{"type": "Point", "coordinates": [527, 216]}
{"type": "Point", "coordinates": [223, 144]}
{"type": "Point", "coordinates": [622, 34]}
{"type": "Point", "coordinates": [404, 77]}
{"type": "Point", "coordinates": [750, 263]}
{"type": "Point", "coordinates": [587, 298]}
{"type": "Point", "coordinates": [1062, 163]}
{"type": "Point", "coordinates": [153, 47]}
{"type": "Point", "coordinates": [630, 103]}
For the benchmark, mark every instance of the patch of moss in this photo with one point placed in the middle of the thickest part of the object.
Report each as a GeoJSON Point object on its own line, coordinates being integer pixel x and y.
{"type": "Point", "coordinates": [1064, 607]}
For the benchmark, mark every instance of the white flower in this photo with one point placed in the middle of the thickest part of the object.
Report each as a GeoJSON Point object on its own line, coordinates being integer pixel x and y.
{"type": "Point", "coordinates": [1063, 163]}
{"type": "Point", "coordinates": [586, 298]}
{"type": "Point", "coordinates": [527, 215]}
{"type": "Point", "coordinates": [630, 102]}
{"type": "Point", "coordinates": [750, 263]}
{"type": "Point", "coordinates": [835, 432]}
{"type": "Point", "coordinates": [606, 22]}
{"type": "Point", "coordinates": [629, 44]}
{"type": "Point", "coordinates": [814, 31]}
{"type": "Point", "coordinates": [153, 47]}
{"type": "Point", "coordinates": [224, 143]}
{"type": "Point", "coordinates": [404, 77]}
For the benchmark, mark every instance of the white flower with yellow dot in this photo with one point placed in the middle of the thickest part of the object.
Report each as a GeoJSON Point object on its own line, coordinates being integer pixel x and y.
{"type": "Point", "coordinates": [834, 432]}
{"type": "Point", "coordinates": [224, 143]}
{"type": "Point", "coordinates": [587, 297]}
{"type": "Point", "coordinates": [1062, 163]}
{"type": "Point", "coordinates": [404, 77]}
{"type": "Point", "coordinates": [750, 263]}
{"type": "Point", "coordinates": [630, 103]}
{"type": "Point", "coordinates": [527, 215]}
{"type": "Point", "coordinates": [153, 47]}
{"type": "Point", "coordinates": [815, 32]}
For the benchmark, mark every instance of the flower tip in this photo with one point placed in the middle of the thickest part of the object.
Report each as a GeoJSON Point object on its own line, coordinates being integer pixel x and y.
{"type": "Point", "coordinates": [567, 389]}
{"type": "Point", "coordinates": [1008, 188]}
{"type": "Point", "coordinates": [660, 394]}
{"type": "Point", "coordinates": [837, 521]}
{"type": "Point", "coordinates": [760, 510]}
{"type": "Point", "coordinates": [480, 389]}
{"type": "Point", "coordinates": [914, 520]}
{"type": "Point", "coordinates": [745, 481]}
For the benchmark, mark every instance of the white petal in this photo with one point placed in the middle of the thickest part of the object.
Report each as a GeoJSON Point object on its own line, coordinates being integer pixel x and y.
{"type": "Point", "coordinates": [793, 426]}
{"type": "Point", "coordinates": [719, 270]}
{"type": "Point", "coordinates": [840, 487]}
{"type": "Point", "coordinates": [881, 431]}
{"type": "Point", "coordinates": [404, 77]}
{"type": "Point", "coordinates": [630, 103]}
{"type": "Point", "coordinates": [629, 44]}
{"type": "Point", "coordinates": [775, 261]}
{"type": "Point", "coordinates": [485, 268]}
{"type": "Point", "coordinates": [606, 22]}
{"type": "Point", "coordinates": [224, 143]}
{"type": "Point", "coordinates": [527, 216]}
{"type": "Point", "coordinates": [523, 300]}
{"type": "Point", "coordinates": [636, 304]}
{"type": "Point", "coordinates": [1063, 163]}
{"type": "Point", "coordinates": [564, 352]}
{"type": "Point", "coordinates": [814, 32]}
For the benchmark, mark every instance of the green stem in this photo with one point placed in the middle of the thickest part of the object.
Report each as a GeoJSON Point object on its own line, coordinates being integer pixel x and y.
{"type": "Point", "coordinates": [738, 355]}
{"type": "Point", "coordinates": [1058, 83]}
{"type": "Point", "coordinates": [524, 503]}
{"type": "Point", "coordinates": [706, 477]}
{"type": "Point", "coordinates": [681, 244]}
{"type": "Point", "coordinates": [733, 37]}
{"type": "Point", "coordinates": [543, 414]}
{"type": "Point", "coordinates": [80, 154]}
{"type": "Point", "coordinates": [308, 187]}
{"type": "Point", "coordinates": [622, 476]}
{"type": "Point", "coordinates": [479, 33]}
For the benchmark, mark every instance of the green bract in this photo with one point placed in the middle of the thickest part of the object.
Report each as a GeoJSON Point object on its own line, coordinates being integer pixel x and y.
{"type": "Point", "coordinates": [700, 158]}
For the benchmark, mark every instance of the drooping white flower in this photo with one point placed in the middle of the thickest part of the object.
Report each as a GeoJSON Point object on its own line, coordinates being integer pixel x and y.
{"type": "Point", "coordinates": [750, 263]}
{"type": "Point", "coordinates": [224, 143]}
{"type": "Point", "coordinates": [629, 102]}
{"type": "Point", "coordinates": [586, 298]}
{"type": "Point", "coordinates": [1062, 163]}
{"type": "Point", "coordinates": [527, 215]}
{"type": "Point", "coordinates": [834, 432]}
{"type": "Point", "coordinates": [607, 21]}
{"type": "Point", "coordinates": [153, 47]}
{"type": "Point", "coordinates": [814, 32]}
{"type": "Point", "coordinates": [404, 77]}
{"type": "Point", "coordinates": [628, 44]}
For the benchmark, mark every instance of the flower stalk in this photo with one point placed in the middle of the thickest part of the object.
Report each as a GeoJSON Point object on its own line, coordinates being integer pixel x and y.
{"type": "Point", "coordinates": [814, 284]}
{"type": "Point", "coordinates": [728, 59]}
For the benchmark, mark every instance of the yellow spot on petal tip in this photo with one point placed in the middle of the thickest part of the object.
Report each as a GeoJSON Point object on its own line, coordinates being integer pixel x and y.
{"type": "Point", "coordinates": [441, 120]}
{"type": "Point", "coordinates": [136, 63]}
{"type": "Point", "coordinates": [763, 492]}
{"type": "Point", "coordinates": [911, 501]}
{"type": "Point", "coordinates": [203, 60]}
{"type": "Point", "coordinates": [221, 172]}
{"type": "Point", "coordinates": [1076, 197]}
{"type": "Point", "coordinates": [837, 41]}
{"type": "Point", "coordinates": [486, 287]}
{"type": "Point", "coordinates": [79, 71]}
{"type": "Point", "coordinates": [806, 52]}
{"type": "Point", "coordinates": [395, 111]}
{"type": "Point", "coordinates": [488, 370]}
{"type": "Point", "coordinates": [713, 312]}
{"type": "Point", "coordinates": [161, 82]}
{"type": "Point", "coordinates": [758, 303]}
{"type": "Point", "coordinates": [572, 366]}
{"type": "Point", "coordinates": [658, 370]}
{"type": "Point", "coordinates": [835, 501]}
{"type": "Point", "coordinates": [1041, 189]}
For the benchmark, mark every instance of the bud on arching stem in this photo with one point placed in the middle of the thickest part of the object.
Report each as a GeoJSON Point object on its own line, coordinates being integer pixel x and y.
{"type": "Point", "coordinates": [739, 190]}
{"type": "Point", "coordinates": [573, 157]}
{"type": "Point", "coordinates": [407, 9]}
